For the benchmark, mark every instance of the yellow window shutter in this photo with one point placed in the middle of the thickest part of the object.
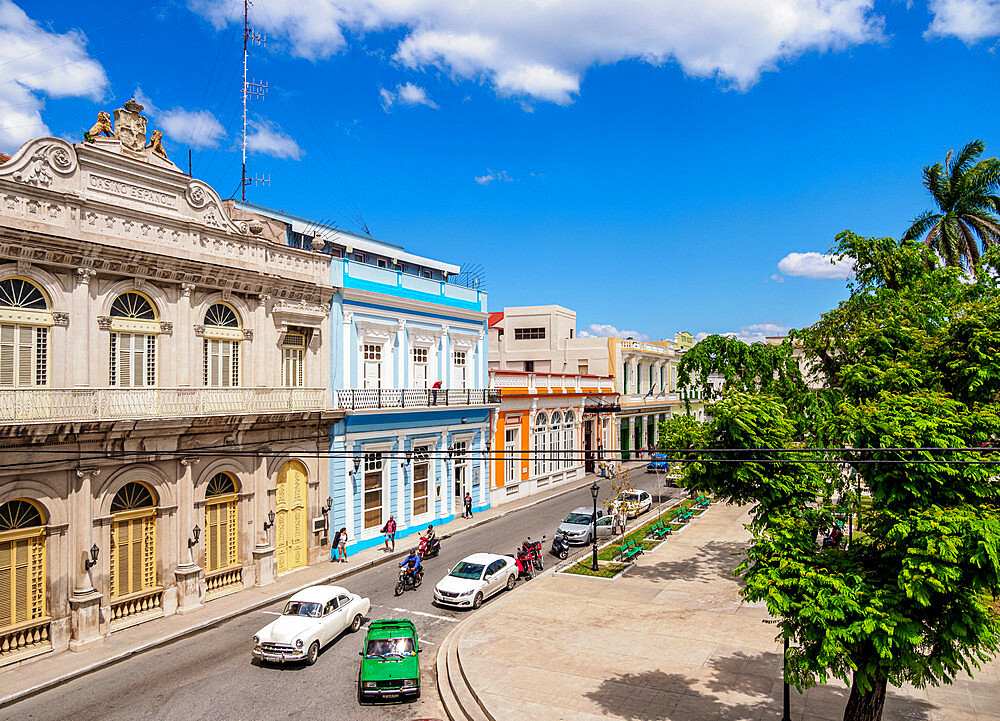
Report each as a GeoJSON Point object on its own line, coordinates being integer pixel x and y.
{"type": "Point", "coordinates": [212, 531]}
{"type": "Point", "coordinates": [6, 584]}
{"type": "Point", "coordinates": [234, 534]}
{"type": "Point", "coordinates": [135, 557]}
{"type": "Point", "coordinates": [149, 552]}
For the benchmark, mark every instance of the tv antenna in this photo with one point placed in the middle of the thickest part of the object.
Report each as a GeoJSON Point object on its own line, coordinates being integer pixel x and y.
{"type": "Point", "coordinates": [251, 88]}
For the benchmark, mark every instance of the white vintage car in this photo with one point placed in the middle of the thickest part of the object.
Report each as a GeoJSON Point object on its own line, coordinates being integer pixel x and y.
{"type": "Point", "coordinates": [312, 618]}
{"type": "Point", "coordinates": [474, 578]}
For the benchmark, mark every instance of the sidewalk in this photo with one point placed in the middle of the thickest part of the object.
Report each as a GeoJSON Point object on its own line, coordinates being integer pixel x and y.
{"type": "Point", "coordinates": [669, 640]}
{"type": "Point", "coordinates": [43, 672]}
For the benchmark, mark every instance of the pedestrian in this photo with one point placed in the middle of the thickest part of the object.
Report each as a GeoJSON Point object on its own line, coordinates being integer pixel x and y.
{"type": "Point", "coordinates": [342, 547]}
{"type": "Point", "coordinates": [603, 466]}
{"type": "Point", "coordinates": [389, 529]}
{"type": "Point", "coordinates": [434, 392]}
{"type": "Point", "coordinates": [334, 546]}
{"type": "Point", "coordinates": [468, 505]}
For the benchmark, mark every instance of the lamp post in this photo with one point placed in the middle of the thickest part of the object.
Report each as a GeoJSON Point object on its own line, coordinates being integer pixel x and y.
{"type": "Point", "coordinates": [786, 716]}
{"type": "Point", "coordinates": [94, 553]}
{"type": "Point", "coordinates": [594, 490]}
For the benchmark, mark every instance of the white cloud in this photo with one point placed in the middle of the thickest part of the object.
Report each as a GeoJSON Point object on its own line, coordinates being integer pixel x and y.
{"type": "Point", "coordinates": [756, 333]}
{"type": "Point", "coordinates": [492, 175]}
{"type": "Point", "coordinates": [195, 128]}
{"type": "Point", "coordinates": [776, 278]}
{"type": "Point", "coordinates": [967, 20]}
{"type": "Point", "coordinates": [265, 138]}
{"type": "Point", "coordinates": [405, 94]}
{"type": "Point", "coordinates": [540, 49]}
{"type": "Point", "coordinates": [816, 265]}
{"type": "Point", "coordinates": [34, 64]}
{"type": "Point", "coordinates": [604, 330]}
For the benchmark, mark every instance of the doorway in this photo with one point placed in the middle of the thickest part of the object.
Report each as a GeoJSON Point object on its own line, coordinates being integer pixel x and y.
{"type": "Point", "coordinates": [459, 471]}
{"type": "Point", "coordinates": [290, 520]}
{"type": "Point", "coordinates": [588, 444]}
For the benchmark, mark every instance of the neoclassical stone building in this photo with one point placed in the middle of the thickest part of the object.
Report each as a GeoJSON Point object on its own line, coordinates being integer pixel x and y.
{"type": "Point", "coordinates": [164, 389]}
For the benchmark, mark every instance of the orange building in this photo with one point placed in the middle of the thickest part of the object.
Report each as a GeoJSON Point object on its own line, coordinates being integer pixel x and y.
{"type": "Point", "coordinates": [548, 429]}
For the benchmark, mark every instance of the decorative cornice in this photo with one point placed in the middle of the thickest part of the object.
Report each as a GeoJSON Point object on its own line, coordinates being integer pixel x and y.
{"type": "Point", "coordinates": [92, 471]}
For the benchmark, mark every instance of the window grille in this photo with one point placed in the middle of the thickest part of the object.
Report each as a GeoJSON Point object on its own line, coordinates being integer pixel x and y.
{"type": "Point", "coordinates": [529, 333]}
{"type": "Point", "coordinates": [421, 474]}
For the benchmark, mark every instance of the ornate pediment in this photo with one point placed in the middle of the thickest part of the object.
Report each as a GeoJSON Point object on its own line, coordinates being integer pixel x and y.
{"type": "Point", "coordinates": [41, 162]}
{"type": "Point", "coordinates": [302, 314]}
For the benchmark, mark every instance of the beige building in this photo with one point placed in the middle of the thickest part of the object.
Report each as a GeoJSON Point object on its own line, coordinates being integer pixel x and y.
{"type": "Point", "coordinates": [163, 393]}
{"type": "Point", "coordinates": [543, 339]}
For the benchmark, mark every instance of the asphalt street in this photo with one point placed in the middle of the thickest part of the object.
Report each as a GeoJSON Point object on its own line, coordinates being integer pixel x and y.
{"type": "Point", "coordinates": [211, 675]}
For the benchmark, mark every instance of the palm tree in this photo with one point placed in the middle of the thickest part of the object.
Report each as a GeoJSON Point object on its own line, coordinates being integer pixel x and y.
{"type": "Point", "coordinates": [966, 196]}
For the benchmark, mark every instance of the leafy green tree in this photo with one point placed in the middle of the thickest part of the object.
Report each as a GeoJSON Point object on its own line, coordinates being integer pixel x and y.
{"type": "Point", "coordinates": [678, 433]}
{"type": "Point", "coordinates": [911, 370]}
{"type": "Point", "coordinates": [966, 196]}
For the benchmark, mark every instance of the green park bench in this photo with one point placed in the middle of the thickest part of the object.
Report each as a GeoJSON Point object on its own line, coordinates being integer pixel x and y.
{"type": "Point", "coordinates": [703, 501]}
{"type": "Point", "coordinates": [629, 551]}
{"type": "Point", "coordinates": [684, 516]}
{"type": "Point", "coordinates": [659, 530]}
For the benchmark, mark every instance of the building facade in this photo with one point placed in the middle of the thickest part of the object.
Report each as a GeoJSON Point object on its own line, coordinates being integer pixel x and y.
{"type": "Point", "coordinates": [408, 369]}
{"type": "Point", "coordinates": [164, 393]}
{"type": "Point", "coordinates": [549, 429]}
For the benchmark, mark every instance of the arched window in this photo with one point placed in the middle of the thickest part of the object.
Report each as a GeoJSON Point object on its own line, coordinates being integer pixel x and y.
{"type": "Point", "coordinates": [555, 442]}
{"type": "Point", "coordinates": [569, 440]}
{"type": "Point", "coordinates": [22, 563]}
{"type": "Point", "coordinates": [133, 540]}
{"type": "Point", "coordinates": [221, 524]}
{"type": "Point", "coordinates": [222, 346]}
{"type": "Point", "coordinates": [134, 328]}
{"type": "Point", "coordinates": [540, 442]}
{"type": "Point", "coordinates": [24, 334]}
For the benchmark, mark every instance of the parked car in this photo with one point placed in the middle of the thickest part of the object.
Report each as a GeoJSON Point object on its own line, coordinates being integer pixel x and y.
{"type": "Point", "coordinates": [578, 525]}
{"type": "Point", "coordinates": [390, 661]}
{"type": "Point", "coordinates": [635, 502]}
{"type": "Point", "coordinates": [312, 618]}
{"type": "Point", "coordinates": [475, 578]}
{"type": "Point", "coordinates": [658, 462]}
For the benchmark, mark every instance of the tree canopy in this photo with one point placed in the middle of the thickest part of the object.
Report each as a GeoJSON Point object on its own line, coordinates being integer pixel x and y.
{"type": "Point", "coordinates": [909, 392]}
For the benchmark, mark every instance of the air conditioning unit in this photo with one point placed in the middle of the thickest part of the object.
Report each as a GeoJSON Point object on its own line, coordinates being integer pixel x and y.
{"type": "Point", "coordinates": [319, 524]}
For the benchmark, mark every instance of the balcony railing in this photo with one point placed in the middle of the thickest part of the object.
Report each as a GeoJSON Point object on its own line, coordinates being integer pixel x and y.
{"type": "Point", "coordinates": [552, 382]}
{"type": "Point", "coordinates": [374, 398]}
{"type": "Point", "coordinates": [82, 404]}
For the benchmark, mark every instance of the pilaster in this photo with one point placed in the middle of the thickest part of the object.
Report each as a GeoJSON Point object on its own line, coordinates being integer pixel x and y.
{"type": "Point", "coordinates": [79, 373]}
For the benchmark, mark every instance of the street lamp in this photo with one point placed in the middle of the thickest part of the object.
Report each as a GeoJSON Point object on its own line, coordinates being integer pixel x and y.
{"type": "Point", "coordinates": [594, 490]}
{"type": "Point", "coordinates": [270, 521]}
{"type": "Point", "coordinates": [786, 716]}
{"type": "Point", "coordinates": [94, 553]}
{"type": "Point", "coordinates": [196, 532]}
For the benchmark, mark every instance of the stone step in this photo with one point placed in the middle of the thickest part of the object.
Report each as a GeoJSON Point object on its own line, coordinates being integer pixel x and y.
{"type": "Point", "coordinates": [460, 684]}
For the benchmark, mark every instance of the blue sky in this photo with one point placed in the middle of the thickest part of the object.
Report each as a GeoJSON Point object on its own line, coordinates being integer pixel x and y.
{"type": "Point", "coordinates": [656, 166]}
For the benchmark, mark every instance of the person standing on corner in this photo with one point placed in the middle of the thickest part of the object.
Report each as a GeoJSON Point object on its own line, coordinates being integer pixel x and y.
{"type": "Point", "coordinates": [468, 505]}
{"type": "Point", "coordinates": [389, 529]}
{"type": "Point", "coordinates": [334, 546]}
{"type": "Point", "coordinates": [342, 549]}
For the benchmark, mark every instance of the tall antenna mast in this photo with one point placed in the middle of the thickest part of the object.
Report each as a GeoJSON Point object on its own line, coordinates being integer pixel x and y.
{"type": "Point", "coordinates": [250, 89]}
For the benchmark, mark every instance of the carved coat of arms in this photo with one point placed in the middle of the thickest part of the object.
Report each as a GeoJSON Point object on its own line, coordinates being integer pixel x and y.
{"type": "Point", "coordinates": [130, 127]}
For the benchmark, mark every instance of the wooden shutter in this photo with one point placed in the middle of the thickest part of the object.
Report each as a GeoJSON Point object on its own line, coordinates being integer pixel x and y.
{"type": "Point", "coordinates": [133, 555]}
{"type": "Point", "coordinates": [22, 348]}
{"type": "Point", "coordinates": [22, 579]}
{"type": "Point", "coordinates": [8, 353]}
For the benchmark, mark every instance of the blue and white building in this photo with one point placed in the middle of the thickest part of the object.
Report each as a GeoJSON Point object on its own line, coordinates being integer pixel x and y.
{"type": "Point", "coordinates": [398, 327]}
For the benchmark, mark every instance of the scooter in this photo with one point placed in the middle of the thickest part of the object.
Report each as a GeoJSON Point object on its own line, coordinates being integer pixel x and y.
{"type": "Point", "coordinates": [534, 551]}
{"type": "Point", "coordinates": [560, 545]}
{"type": "Point", "coordinates": [525, 566]}
{"type": "Point", "coordinates": [428, 549]}
{"type": "Point", "coordinates": [408, 580]}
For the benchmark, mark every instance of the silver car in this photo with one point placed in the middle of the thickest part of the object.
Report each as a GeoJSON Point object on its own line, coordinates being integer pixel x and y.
{"type": "Point", "coordinates": [578, 525]}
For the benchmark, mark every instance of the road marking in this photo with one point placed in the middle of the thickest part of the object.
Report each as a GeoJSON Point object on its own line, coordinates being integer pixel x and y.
{"type": "Point", "coordinates": [449, 619]}
{"type": "Point", "coordinates": [271, 613]}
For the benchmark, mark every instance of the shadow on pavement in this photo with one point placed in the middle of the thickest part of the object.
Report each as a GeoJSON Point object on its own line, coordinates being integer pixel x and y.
{"type": "Point", "coordinates": [752, 681]}
{"type": "Point", "coordinates": [716, 559]}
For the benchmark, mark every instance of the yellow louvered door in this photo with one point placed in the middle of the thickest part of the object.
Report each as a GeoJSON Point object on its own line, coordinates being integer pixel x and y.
{"type": "Point", "coordinates": [133, 555]}
{"type": "Point", "coordinates": [290, 517]}
{"type": "Point", "coordinates": [281, 521]}
{"type": "Point", "coordinates": [221, 528]}
{"type": "Point", "coordinates": [22, 577]}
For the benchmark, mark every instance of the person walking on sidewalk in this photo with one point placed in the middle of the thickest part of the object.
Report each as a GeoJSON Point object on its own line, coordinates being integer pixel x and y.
{"type": "Point", "coordinates": [389, 529]}
{"type": "Point", "coordinates": [342, 547]}
{"type": "Point", "coordinates": [334, 546]}
{"type": "Point", "coordinates": [468, 505]}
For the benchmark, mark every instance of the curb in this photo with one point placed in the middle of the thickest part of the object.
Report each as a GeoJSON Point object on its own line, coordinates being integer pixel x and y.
{"type": "Point", "coordinates": [215, 621]}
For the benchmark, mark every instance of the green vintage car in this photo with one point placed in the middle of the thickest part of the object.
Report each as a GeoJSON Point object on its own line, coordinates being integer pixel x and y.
{"type": "Point", "coordinates": [390, 661]}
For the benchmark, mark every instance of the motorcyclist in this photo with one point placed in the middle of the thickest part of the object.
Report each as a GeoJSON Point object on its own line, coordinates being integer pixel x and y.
{"type": "Point", "coordinates": [430, 534]}
{"type": "Point", "coordinates": [411, 563]}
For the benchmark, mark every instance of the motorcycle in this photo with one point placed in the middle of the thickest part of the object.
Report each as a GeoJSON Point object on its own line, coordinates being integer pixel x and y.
{"type": "Point", "coordinates": [409, 580]}
{"type": "Point", "coordinates": [560, 545]}
{"type": "Point", "coordinates": [525, 566]}
{"type": "Point", "coordinates": [428, 549]}
{"type": "Point", "coordinates": [534, 548]}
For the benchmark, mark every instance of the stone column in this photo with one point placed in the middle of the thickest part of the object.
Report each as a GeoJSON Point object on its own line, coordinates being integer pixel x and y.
{"type": "Point", "coordinates": [445, 358]}
{"type": "Point", "coordinates": [85, 601]}
{"type": "Point", "coordinates": [349, 351]}
{"type": "Point", "coordinates": [400, 380]}
{"type": "Point", "coordinates": [259, 348]}
{"type": "Point", "coordinates": [183, 335]}
{"type": "Point", "coordinates": [187, 571]}
{"type": "Point", "coordinates": [263, 552]}
{"type": "Point", "coordinates": [80, 331]}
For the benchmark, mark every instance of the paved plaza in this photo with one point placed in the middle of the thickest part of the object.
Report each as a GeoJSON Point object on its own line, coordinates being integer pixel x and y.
{"type": "Point", "coordinates": [670, 640]}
